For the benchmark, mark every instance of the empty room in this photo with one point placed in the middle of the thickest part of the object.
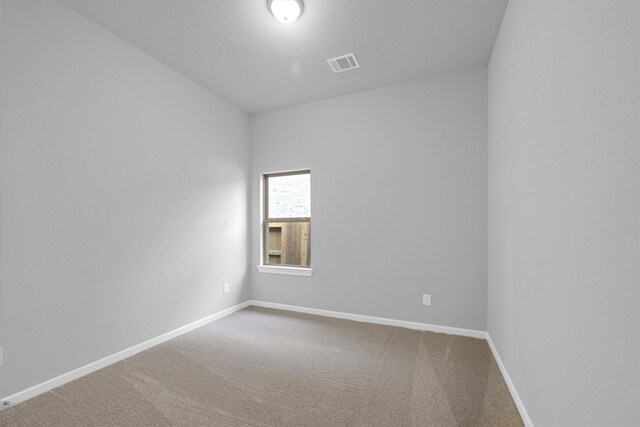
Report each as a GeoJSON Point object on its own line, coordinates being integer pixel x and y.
{"type": "Point", "coordinates": [320, 213]}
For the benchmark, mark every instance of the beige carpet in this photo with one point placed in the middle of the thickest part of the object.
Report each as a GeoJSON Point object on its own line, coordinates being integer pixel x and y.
{"type": "Point", "coordinates": [262, 367]}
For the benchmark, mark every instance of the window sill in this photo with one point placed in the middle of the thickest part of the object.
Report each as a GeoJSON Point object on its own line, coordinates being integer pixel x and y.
{"type": "Point", "coordinates": [292, 271]}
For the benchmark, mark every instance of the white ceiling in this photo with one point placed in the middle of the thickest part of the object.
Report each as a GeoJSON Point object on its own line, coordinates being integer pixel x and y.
{"type": "Point", "coordinates": [240, 52]}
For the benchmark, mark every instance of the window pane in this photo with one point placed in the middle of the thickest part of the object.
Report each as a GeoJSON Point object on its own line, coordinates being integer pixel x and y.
{"type": "Point", "coordinates": [289, 196]}
{"type": "Point", "coordinates": [288, 243]}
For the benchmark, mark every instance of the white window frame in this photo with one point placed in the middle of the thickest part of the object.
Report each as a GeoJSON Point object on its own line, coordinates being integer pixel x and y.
{"type": "Point", "coordinates": [277, 269]}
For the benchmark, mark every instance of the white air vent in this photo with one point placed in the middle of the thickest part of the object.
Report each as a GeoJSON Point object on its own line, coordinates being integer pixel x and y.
{"type": "Point", "coordinates": [343, 63]}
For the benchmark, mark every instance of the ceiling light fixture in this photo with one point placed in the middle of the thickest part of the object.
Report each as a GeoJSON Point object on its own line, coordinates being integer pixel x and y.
{"type": "Point", "coordinates": [285, 11]}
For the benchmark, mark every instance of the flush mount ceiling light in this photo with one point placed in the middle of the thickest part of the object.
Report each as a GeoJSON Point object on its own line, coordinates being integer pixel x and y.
{"type": "Point", "coordinates": [285, 11]}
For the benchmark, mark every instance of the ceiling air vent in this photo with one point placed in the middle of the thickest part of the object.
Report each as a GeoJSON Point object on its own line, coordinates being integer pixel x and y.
{"type": "Point", "coordinates": [343, 63]}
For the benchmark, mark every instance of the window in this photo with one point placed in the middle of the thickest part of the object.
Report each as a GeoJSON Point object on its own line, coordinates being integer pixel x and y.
{"type": "Point", "coordinates": [287, 220]}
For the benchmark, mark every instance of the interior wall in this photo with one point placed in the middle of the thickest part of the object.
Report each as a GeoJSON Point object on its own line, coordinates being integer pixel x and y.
{"type": "Point", "coordinates": [124, 196]}
{"type": "Point", "coordinates": [399, 193]}
{"type": "Point", "coordinates": [564, 208]}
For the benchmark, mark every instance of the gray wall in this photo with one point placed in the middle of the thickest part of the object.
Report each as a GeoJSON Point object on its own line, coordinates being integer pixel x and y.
{"type": "Point", "coordinates": [124, 196]}
{"type": "Point", "coordinates": [564, 188]}
{"type": "Point", "coordinates": [398, 178]}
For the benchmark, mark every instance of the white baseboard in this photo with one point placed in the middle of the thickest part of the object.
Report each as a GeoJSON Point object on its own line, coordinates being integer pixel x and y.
{"type": "Point", "coordinates": [371, 319]}
{"type": "Point", "coordinates": [109, 360]}
{"type": "Point", "coordinates": [512, 388]}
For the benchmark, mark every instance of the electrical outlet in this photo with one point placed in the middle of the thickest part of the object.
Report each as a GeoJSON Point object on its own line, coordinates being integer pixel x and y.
{"type": "Point", "coordinates": [225, 288]}
{"type": "Point", "coordinates": [426, 299]}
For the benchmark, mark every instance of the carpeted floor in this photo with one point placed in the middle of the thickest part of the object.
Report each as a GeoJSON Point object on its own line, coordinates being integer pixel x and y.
{"type": "Point", "coordinates": [262, 367]}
